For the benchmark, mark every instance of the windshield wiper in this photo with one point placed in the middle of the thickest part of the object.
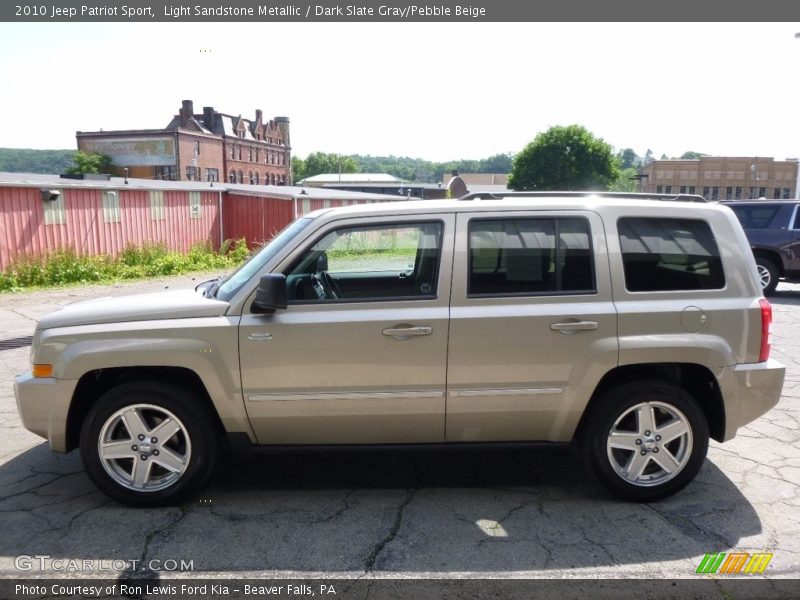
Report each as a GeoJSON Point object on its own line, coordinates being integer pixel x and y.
{"type": "Point", "coordinates": [210, 291]}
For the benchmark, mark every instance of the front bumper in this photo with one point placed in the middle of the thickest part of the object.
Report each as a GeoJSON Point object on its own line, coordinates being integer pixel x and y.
{"type": "Point", "coordinates": [749, 391]}
{"type": "Point", "coordinates": [43, 404]}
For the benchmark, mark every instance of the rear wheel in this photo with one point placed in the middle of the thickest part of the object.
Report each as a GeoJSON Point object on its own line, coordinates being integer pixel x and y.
{"type": "Point", "coordinates": [767, 275]}
{"type": "Point", "coordinates": [148, 444]}
{"type": "Point", "coordinates": [645, 440]}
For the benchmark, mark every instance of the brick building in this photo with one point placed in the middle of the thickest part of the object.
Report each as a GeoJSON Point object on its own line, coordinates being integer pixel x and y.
{"type": "Point", "coordinates": [208, 146]}
{"type": "Point", "coordinates": [723, 178]}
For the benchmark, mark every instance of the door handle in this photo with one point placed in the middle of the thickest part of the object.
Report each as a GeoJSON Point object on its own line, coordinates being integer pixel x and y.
{"type": "Point", "coordinates": [571, 327]}
{"type": "Point", "coordinates": [259, 337]}
{"type": "Point", "coordinates": [403, 333]}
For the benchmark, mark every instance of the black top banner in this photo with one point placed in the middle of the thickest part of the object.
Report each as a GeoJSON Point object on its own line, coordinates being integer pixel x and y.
{"type": "Point", "coordinates": [374, 11]}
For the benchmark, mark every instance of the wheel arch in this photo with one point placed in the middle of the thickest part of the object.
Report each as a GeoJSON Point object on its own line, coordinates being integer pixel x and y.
{"type": "Point", "coordinates": [93, 384]}
{"type": "Point", "coordinates": [696, 379]}
{"type": "Point", "coordinates": [773, 256]}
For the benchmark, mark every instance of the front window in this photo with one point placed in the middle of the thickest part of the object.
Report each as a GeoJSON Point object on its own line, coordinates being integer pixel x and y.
{"type": "Point", "coordinates": [259, 260]}
{"type": "Point", "coordinates": [368, 263]}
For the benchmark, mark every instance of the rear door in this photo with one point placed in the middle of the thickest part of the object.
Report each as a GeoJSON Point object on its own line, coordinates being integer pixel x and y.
{"type": "Point", "coordinates": [533, 326]}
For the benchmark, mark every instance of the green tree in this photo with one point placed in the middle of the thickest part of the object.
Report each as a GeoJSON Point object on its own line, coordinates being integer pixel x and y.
{"type": "Point", "coordinates": [25, 160]}
{"type": "Point", "coordinates": [564, 158]}
{"type": "Point", "coordinates": [625, 182]}
{"type": "Point", "coordinates": [298, 169]}
{"type": "Point", "coordinates": [627, 158]}
{"type": "Point", "coordinates": [89, 162]}
{"type": "Point", "coordinates": [317, 163]}
{"type": "Point", "coordinates": [691, 155]}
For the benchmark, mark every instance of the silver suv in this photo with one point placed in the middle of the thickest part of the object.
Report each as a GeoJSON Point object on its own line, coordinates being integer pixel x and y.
{"type": "Point", "coordinates": [633, 327]}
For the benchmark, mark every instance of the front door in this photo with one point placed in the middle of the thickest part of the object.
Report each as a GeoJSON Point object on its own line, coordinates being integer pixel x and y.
{"type": "Point", "coordinates": [359, 356]}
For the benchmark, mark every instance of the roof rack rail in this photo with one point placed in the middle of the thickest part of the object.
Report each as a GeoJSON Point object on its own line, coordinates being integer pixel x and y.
{"type": "Point", "coordinates": [620, 195]}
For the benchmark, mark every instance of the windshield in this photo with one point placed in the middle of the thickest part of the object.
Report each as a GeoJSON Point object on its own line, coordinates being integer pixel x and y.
{"type": "Point", "coordinates": [257, 261]}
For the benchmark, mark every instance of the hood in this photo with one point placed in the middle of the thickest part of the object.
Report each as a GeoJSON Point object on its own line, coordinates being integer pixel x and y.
{"type": "Point", "coordinates": [177, 304]}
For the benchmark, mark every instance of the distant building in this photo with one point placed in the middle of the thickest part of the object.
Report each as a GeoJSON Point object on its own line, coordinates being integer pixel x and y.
{"type": "Point", "coordinates": [481, 179]}
{"type": "Point", "coordinates": [356, 178]}
{"type": "Point", "coordinates": [722, 178]}
{"type": "Point", "coordinates": [208, 146]}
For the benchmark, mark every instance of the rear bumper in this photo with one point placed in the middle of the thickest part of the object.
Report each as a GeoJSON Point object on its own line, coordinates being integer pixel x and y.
{"type": "Point", "coordinates": [43, 404]}
{"type": "Point", "coordinates": [750, 390]}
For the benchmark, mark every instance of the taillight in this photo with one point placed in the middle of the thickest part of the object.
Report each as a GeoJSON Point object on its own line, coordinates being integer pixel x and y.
{"type": "Point", "coordinates": [766, 323]}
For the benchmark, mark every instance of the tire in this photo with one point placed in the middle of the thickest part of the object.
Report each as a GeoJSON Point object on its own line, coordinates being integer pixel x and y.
{"type": "Point", "coordinates": [613, 439]}
{"type": "Point", "coordinates": [132, 468]}
{"type": "Point", "coordinates": [768, 275]}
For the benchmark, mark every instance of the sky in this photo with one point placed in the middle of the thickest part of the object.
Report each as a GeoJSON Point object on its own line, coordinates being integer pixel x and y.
{"type": "Point", "coordinates": [437, 91]}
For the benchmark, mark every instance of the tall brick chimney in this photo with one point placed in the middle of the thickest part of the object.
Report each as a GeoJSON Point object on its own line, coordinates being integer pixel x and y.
{"type": "Point", "coordinates": [208, 117]}
{"type": "Point", "coordinates": [259, 116]}
{"type": "Point", "coordinates": [187, 111]}
{"type": "Point", "coordinates": [283, 127]}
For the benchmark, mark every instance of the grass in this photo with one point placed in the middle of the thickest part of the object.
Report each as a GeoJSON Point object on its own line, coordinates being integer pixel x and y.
{"type": "Point", "coordinates": [134, 262]}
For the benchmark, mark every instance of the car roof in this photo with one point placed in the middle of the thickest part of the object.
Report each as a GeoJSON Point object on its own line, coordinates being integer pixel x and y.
{"type": "Point", "coordinates": [550, 201]}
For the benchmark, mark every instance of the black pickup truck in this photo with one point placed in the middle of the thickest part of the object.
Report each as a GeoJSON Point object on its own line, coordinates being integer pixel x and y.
{"type": "Point", "coordinates": [773, 229]}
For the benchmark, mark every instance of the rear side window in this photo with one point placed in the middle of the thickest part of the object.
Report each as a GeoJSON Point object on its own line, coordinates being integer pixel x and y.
{"type": "Point", "coordinates": [669, 255]}
{"type": "Point", "coordinates": [529, 257]}
{"type": "Point", "coordinates": [756, 217]}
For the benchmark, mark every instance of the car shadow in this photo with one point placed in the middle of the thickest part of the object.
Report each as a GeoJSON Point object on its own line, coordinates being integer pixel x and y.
{"type": "Point", "coordinates": [486, 510]}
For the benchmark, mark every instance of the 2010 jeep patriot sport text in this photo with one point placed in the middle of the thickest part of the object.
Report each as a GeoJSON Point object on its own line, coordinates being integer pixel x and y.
{"type": "Point", "coordinates": [634, 327]}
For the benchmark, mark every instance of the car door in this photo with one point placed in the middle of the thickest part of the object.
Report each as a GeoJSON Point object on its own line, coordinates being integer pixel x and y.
{"type": "Point", "coordinates": [359, 356]}
{"type": "Point", "coordinates": [533, 325]}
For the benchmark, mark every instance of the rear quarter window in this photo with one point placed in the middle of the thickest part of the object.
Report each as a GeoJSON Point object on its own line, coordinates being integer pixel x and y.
{"type": "Point", "coordinates": [663, 254]}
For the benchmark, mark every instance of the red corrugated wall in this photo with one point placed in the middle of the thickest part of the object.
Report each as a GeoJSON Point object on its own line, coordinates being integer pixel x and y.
{"type": "Point", "coordinates": [255, 219]}
{"type": "Point", "coordinates": [23, 230]}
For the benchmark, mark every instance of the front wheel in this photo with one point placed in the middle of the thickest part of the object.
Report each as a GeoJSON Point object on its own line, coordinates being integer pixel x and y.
{"type": "Point", "coordinates": [645, 440]}
{"type": "Point", "coordinates": [148, 444]}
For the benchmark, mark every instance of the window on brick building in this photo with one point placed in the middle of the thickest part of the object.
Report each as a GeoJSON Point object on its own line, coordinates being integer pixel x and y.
{"type": "Point", "coordinates": [232, 176]}
{"type": "Point", "coordinates": [728, 193]}
{"type": "Point", "coordinates": [659, 189]}
{"type": "Point", "coordinates": [240, 152]}
{"type": "Point", "coordinates": [250, 178]}
{"type": "Point", "coordinates": [683, 189]}
{"type": "Point", "coordinates": [233, 151]}
{"type": "Point", "coordinates": [241, 177]}
{"type": "Point", "coordinates": [692, 189]}
{"type": "Point", "coordinates": [256, 155]}
{"type": "Point", "coordinates": [762, 192]}
{"type": "Point", "coordinates": [250, 154]}
{"type": "Point", "coordinates": [257, 179]}
{"type": "Point", "coordinates": [197, 148]}
{"type": "Point", "coordinates": [192, 174]}
{"type": "Point", "coordinates": [212, 174]}
{"type": "Point", "coordinates": [738, 195]}
{"type": "Point", "coordinates": [667, 189]}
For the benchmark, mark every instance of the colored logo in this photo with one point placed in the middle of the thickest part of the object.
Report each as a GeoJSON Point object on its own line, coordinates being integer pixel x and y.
{"type": "Point", "coordinates": [735, 562]}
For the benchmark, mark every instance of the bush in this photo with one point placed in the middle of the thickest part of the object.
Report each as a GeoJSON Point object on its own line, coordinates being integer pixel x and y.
{"type": "Point", "coordinates": [134, 262]}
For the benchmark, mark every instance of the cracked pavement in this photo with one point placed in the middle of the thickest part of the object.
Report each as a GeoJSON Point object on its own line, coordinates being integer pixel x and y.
{"type": "Point", "coordinates": [517, 512]}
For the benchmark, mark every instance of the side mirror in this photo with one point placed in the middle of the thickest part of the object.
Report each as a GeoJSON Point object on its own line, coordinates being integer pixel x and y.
{"type": "Point", "coordinates": [271, 293]}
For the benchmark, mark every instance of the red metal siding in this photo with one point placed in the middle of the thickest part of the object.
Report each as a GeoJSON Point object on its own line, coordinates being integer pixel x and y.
{"type": "Point", "coordinates": [255, 219]}
{"type": "Point", "coordinates": [23, 230]}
